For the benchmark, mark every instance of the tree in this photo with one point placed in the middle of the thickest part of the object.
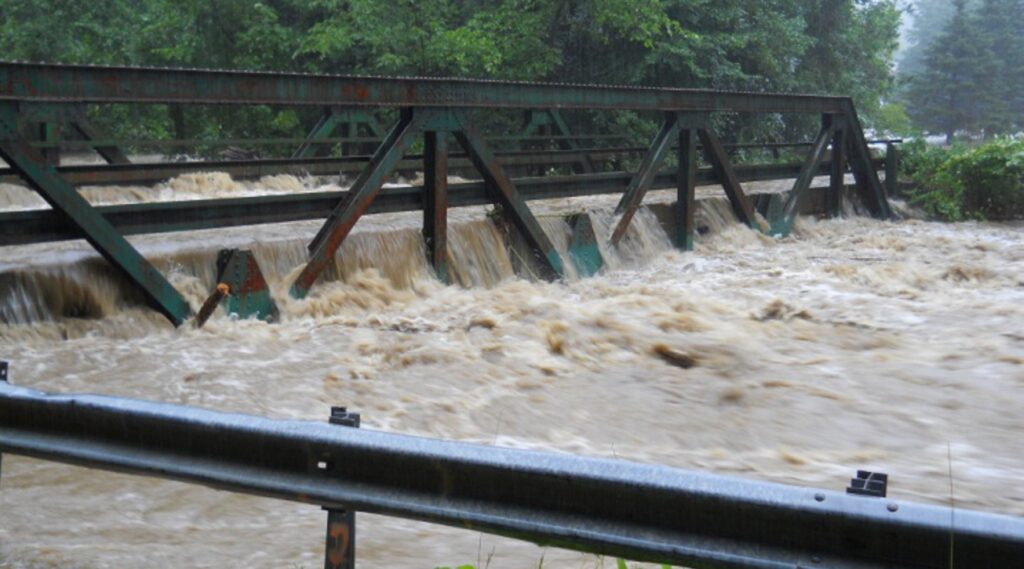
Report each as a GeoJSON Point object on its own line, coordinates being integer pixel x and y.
{"type": "Point", "coordinates": [947, 96]}
{"type": "Point", "coordinates": [1002, 23]}
{"type": "Point", "coordinates": [927, 20]}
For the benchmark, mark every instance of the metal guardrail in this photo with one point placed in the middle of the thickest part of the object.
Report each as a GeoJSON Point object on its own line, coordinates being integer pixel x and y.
{"type": "Point", "coordinates": [612, 507]}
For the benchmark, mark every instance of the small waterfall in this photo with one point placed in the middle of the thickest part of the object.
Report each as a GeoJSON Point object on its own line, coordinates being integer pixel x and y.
{"type": "Point", "coordinates": [374, 266]}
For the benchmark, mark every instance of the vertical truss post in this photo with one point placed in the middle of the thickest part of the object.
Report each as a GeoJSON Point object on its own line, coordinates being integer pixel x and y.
{"type": "Point", "coordinates": [722, 168]}
{"type": "Point", "coordinates": [94, 227]}
{"type": "Point", "coordinates": [869, 188]}
{"type": "Point", "coordinates": [506, 194]}
{"type": "Point", "coordinates": [641, 181]}
{"type": "Point", "coordinates": [837, 172]}
{"type": "Point", "coordinates": [49, 131]}
{"type": "Point", "coordinates": [892, 168]}
{"type": "Point", "coordinates": [783, 224]}
{"type": "Point", "coordinates": [340, 551]}
{"type": "Point", "coordinates": [358, 199]}
{"type": "Point", "coordinates": [435, 201]}
{"type": "Point", "coordinates": [686, 179]}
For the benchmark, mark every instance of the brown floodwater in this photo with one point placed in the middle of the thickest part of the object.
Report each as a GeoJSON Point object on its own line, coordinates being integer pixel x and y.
{"type": "Point", "coordinates": [853, 343]}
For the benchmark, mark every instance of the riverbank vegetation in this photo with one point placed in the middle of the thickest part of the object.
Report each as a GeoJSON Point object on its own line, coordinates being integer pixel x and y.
{"type": "Point", "coordinates": [841, 47]}
{"type": "Point", "coordinates": [961, 182]}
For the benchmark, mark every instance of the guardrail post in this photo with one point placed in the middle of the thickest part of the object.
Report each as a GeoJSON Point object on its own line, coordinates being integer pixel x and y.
{"type": "Point", "coordinates": [892, 168]}
{"type": "Point", "coordinates": [341, 524]}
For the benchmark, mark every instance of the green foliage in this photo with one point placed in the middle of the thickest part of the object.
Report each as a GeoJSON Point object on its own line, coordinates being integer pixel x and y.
{"type": "Point", "coordinates": [891, 120]}
{"type": "Point", "coordinates": [984, 182]}
{"type": "Point", "coordinates": [971, 74]}
{"type": "Point", "coordinates": [822, 46]}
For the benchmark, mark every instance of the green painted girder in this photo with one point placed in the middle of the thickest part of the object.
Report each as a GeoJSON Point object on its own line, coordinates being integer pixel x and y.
{"type": "Point", "coordinates": [104, 84]}
{"type": "Point", "coordinates": [837, 172]}
{"type": "Point", "coordinates": [364, 190]}
{"type": "Point", "coordinates": [869, 187]}
{"type": "Point", "coordinates": [357, 200]}
{"type": "Point", "coordinates": [435, 201]}
{"type": "Point", "coordinates": [686, 186]}
{"type": "Point", "coordinates": [782, 225]}
{"type": "Point", "coordinates": [505, 193]}
{"type": "Point", "coordinates": [40, 226]}
{"type": "Point", "coordinates": [634, 196]}
{"type": "Point", "coordinates": [93, 226]}
{"type": "Point", "coordinates": [329, 122]}
{"type": "Point", "coordinates": [725, 173]}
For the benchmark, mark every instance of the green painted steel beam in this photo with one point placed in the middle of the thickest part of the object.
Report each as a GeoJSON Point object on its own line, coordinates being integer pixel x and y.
{"type": "Point", "coordinates": [725, 172]}
{"type": "Point", "coordinates": [641, 182]}
{"type": "Point", "coordinates": [783, 224]}
{"type": "Point", "coordinates": [357, 200]}
{"type": "Point", "coordinates": [40, 226]}
{"type": "Point", "coordinates": [40, 82]}
{"type": "Point", "coordinates": [869, 187]}
{"type": "Point", "coordinates": [507, 195]}
{"type": "Point", "coordinates": [91, 224]}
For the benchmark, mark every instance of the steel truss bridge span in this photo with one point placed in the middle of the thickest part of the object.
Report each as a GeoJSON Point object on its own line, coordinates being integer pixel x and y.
{"type": "Point", "coordinates": [37, 101]}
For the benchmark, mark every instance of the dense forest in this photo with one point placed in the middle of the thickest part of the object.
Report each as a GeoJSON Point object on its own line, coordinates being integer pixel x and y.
{"type": "Point", "coordinates": [814, 46]}
{"type": "Point", "coordinates": [965, 71]}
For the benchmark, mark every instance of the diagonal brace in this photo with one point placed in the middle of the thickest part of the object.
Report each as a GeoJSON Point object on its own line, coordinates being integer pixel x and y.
{"type": "Point", "coordinates": [644, 177]}
{"type": "Point", "coordinates": [784, 223]}
{"type": "Point", "coordinates": [869, 187]}
{"type": "Point", "coordinates": [723, 170]}
{"type": "Point", "coordinates": [94, 227]}
{"type": "Point", "coordinates": [506, 194]}
{"type": "Point", "coordinates": [358, 199]}
{"type": "Point", "coordinates": [112, 154]}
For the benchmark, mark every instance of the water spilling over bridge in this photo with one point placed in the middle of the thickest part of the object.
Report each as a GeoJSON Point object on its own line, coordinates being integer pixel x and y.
{"type": "Point", "coordinates": [792, 349]}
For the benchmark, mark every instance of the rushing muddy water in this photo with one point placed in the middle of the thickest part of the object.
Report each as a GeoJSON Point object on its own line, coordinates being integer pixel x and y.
{"type": "Point", "coordinates": [894, 346]}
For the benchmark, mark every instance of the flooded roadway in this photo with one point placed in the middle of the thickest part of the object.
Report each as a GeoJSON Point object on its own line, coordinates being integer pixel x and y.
{"type": "Point", "coordinates": [854, 343]}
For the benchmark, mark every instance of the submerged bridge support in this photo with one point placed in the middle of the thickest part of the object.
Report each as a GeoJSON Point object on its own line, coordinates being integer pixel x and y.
{"type": "Point", "coordinates": [432, 110]}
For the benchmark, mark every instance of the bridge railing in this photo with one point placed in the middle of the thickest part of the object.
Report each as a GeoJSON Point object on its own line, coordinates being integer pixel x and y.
{"type": "Point", "coordinates": [610, 507]}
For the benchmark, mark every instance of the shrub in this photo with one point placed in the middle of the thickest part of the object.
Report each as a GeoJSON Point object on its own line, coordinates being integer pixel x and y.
{"type": "Point", "coordinates": [957, 183]}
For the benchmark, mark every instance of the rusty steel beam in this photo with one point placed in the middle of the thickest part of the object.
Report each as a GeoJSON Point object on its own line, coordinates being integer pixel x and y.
{"type": "Point", "coordinates": [505, 194]}
{"type": "Point", "coordinates": [686, 185]}
{"type": "Point", "coordinates": [784, 223]}
{"type": "Point", "coordinates": [42, 82]}
{"type": "Point", "coordinates": [641, 182]}
{"type": "Point", "coordinates": [357, 201]}
{"type": "Point", "coordinates": [40, 226]}
{"type": "Point", "coordinates": [103, 236]}
{"type": "Point", "coordinates": [435, 201]}
{"type": "Point", "coordinates": [724, 171]}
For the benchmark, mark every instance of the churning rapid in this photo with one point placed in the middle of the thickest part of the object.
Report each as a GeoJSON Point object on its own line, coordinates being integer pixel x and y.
{"type": "Point", "coordinates": [854, 343]}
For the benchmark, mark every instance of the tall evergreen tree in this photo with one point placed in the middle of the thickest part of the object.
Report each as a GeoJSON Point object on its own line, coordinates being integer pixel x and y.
{"type": "Point", "coordinates": [1002, 23]}
{"type": "Point", "coordinates": [948, 96]}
